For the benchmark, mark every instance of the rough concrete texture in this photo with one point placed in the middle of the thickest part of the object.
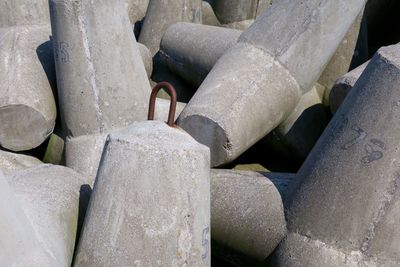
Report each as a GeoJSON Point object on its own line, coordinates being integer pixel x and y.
{"type": "Point", "coordinates": [162, 14]}
{"type": "Point", "coordinates": [55, 150]}
{"type": "Point", "coordinates": [136, 216]}
{"type": "Point", "coordinates": [343, 86]}
{"type": "Point", "coordinates": [262, 77]}
{"type": "Point", "coordinates": [18, 243]}
{"type": "Point", "coordinates": [49, 196]}
{"type": "Point", "coordinates": [297, 134]}
{"type": "Point", "coordinates": [349, 53]}
{"type": "Point", "coordinates": [239, 25]}
{"type": "Point", "coordinates": [12, 162]}
{"type": "Point", "coordinates": [228, 11]}
{"type": "Point", "coordinates": [27, 106]}
{"type": "Point", "coordinates": [23, 12]}
{"type": "Point", "coordinates": [354, 169]}
{"type": "Point", "coordinates": [102, 82]}
{"type": "Point", "coordinates": [136, 9]}
{"type": "Point", "coordinates": [185, 49]}
{"type": "Point", "coordinates": [246, 212]}
{"type": "Point", "coordinates": [147, 58]}
{"type": "Point", "coordinates": [208, 15]}
{"type": "Point", "coordinates": [83, 153]}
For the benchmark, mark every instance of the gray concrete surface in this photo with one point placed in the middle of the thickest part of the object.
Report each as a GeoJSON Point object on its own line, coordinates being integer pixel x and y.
{"type": "Point", "coordinates": [49, 196]}
{"type": "Point", "coordinates": [27, 106]}
{"type": "Point", "coordinates": [151, 201]}
{"type": "Point", "coordinates": [228, 11]}
{"type": "Point", "coordinates": [208, 15]}
{"type": "Point", "coordinates": [345, 206]}
{"type": "Point", "coordinates": [55, 150]}
{"type": "Point", "coordinates": [191, 50]}
{"type": "Point", "coordinates": [136, 9]}
{"type": "Point", "coordinates": [83, 153]}
{"type": "Point", "coordinates": [147, 58]}
{"type": "Point", "coordinates": [246, 212]}
{"type": "Point", "coordinates": [23, 12]}
{"type": "Point", "coordinates": [162, 14]}
{"type": "Point", "coordinates": [352, 51]}
{"type": "Point", "coordinates": [263, 76]}
{"type": "Point", "coordinates": [12, 162]}
{"type": "Point", "coordinates": [342, 87]}
{"type": "Point", "coordinates": [102, 82]}
{"type": "Point", "coordinates": [18, 243]}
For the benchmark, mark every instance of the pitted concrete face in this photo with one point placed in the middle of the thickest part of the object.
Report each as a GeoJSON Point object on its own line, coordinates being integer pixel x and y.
{"type": "Point", "coordinates": [220, 111]}
{"type": "Point", "coordinates": [27, 106]}
{"type": "Point", "coordinates": [151, 200]}
{"type": "Point", "coordinates": [354, 168]}
{"type": "Point", "coordinates": [12, 162]}
{"type": "Point", "coordinates": [24, 12]}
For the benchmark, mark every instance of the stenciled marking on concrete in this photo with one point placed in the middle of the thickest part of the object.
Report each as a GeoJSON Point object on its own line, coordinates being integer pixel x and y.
{"type": "Point", "coordinates": [205, 243]}
{"type": "Point", "coordinates": [361, 135]}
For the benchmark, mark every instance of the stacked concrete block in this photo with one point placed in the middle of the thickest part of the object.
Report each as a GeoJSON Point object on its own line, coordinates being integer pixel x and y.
{"type": "Point", "coordinates": [234, 11]}
{"type": "Point", "coordinates": [102, 82]}
{"type": "Point", "coordinates": [354, 171]}
{"type": "Point", "coordinates": [151, 201]}
{"type": "Point", "coordinates": [27, 106]}
{"type": "Point", "coordinates": [18, 243]}
{"type": "Point", "coordinates": [12, 162]}
{"type": "Point", "coordinates": [24, 12]}
{"type": "Point", "coordinates": [246, 212]}
{"type": "Point", "coordinates": [147, 59]}
{"type": "Point", "coordinates": [208, 15]}
{"type": "Point", "coordinates": [343, 86]}
{"type": "Point", "coordinates": [136, 9]}
{"type": "Point", "coordinates": [185, 49]}
{"type": "Point", "coordinates": [263, 76]}
{"type": "Point", "coordinates": [162, 14]}
{"type": "Point", "coordinates": [49, 196]}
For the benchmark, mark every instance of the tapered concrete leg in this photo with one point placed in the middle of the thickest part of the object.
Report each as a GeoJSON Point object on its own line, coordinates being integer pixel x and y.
{"type": "Point", "coordinates": [246, 212]}
{"type": "Point", "coordinates": [136, 9]}
{"type": "Point", "coordinates": [355, 171]}
{"type": "Point", "coordinates": [23, 12]}
{"type": "Point", "coordinates": [55, 150]}
{"type": "Point", "coordinates": [83, 153]}
{"type": "Point", "coordinates": [137, 216]}
{"type": "Point", "coordinates": [12, 162]}
{"type": "Point", "coordinates": [49, 196]}
{"type": "Point", "coordinates": [147, 58]}
{"type": "Point", "coordinates": [263, 76]}
{"type": "Point", "coordinates": [208, 15]}
{"type": "Point", "coordinates": [239, 25]}
{"type": "Point", "coordinates": [228, 11]}
{"type": "Point", "coordinates": [162, 14]}
{"type": "Point", "coordinates": [342, 87]}
{"type": "Point", "coordinates": [186, 49]}
{"type": "Point", "coordinates": [18, 243]}
{"type": "Point", "coordinates": [102, 82]}
{"type": "Point", "coordinates": [27, 106]}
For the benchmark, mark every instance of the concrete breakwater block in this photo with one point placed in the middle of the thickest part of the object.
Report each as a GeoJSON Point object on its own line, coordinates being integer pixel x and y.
{"type": "Point", "coordinates": [345, 205]}
{"type": "Point", "coordinates": [162, 14]}
{"type": "Point", "coordinates": [246, 212]}
{"type": "Point", "coordinates": [263, 76]}
{"type": "Point", "coordinates": [150, 204]}
{"type": "Point", "coordinates": [24, 12]}
{"type": "Point", "coordinates": [102, 82]}
{"type": "Point", "coordinates": [27, 106]}
{"type": "Point", "coordinates": [19, 245]}
{"type": "Point", "coordinates": [50, 198]}
{"type": "Point", "coordinates": [12, 162]}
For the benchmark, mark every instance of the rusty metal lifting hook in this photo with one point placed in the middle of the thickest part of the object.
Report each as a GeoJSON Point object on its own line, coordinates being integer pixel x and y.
{"type": "Point", "coordinates": [172, 106]}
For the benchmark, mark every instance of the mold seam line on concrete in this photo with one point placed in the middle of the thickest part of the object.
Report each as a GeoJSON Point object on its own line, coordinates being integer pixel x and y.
{"type": "Point", "coordinates": [91, 68]}
{"type": "Point", "coordinates": [385, 204]}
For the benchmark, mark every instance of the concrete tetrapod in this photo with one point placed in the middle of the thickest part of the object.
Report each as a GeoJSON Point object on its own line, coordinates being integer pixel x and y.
{"type": "Point", "coordinates": [162, 14]}
{"type": "Point", "coordinates": [24, 12]}
{"type": "Point", "coordinates": [18, 243]}
{"type": "Point", "coordinates": [101, 79]}
{"type": "Point", "coordinates": [27, 106]}
{"type": "Point", "coordinates": [228, 11]}
{"type": "Point", "coordinates": [354, 169]}
{"type": "Point", "coordinates": [257, 83]}
{"type": "Point", "coordinates": [342, 87]}
{"type": "Point", "coordinates": [50, 198]}
{"type": "Point", "coordinates": [83, 153]}
{"type": "Point", "coordinates": [246, 212]}
{"type": "Point", "coordinates": [12, 162]}
{"type": "Point", "coordinates": [150, 205]}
